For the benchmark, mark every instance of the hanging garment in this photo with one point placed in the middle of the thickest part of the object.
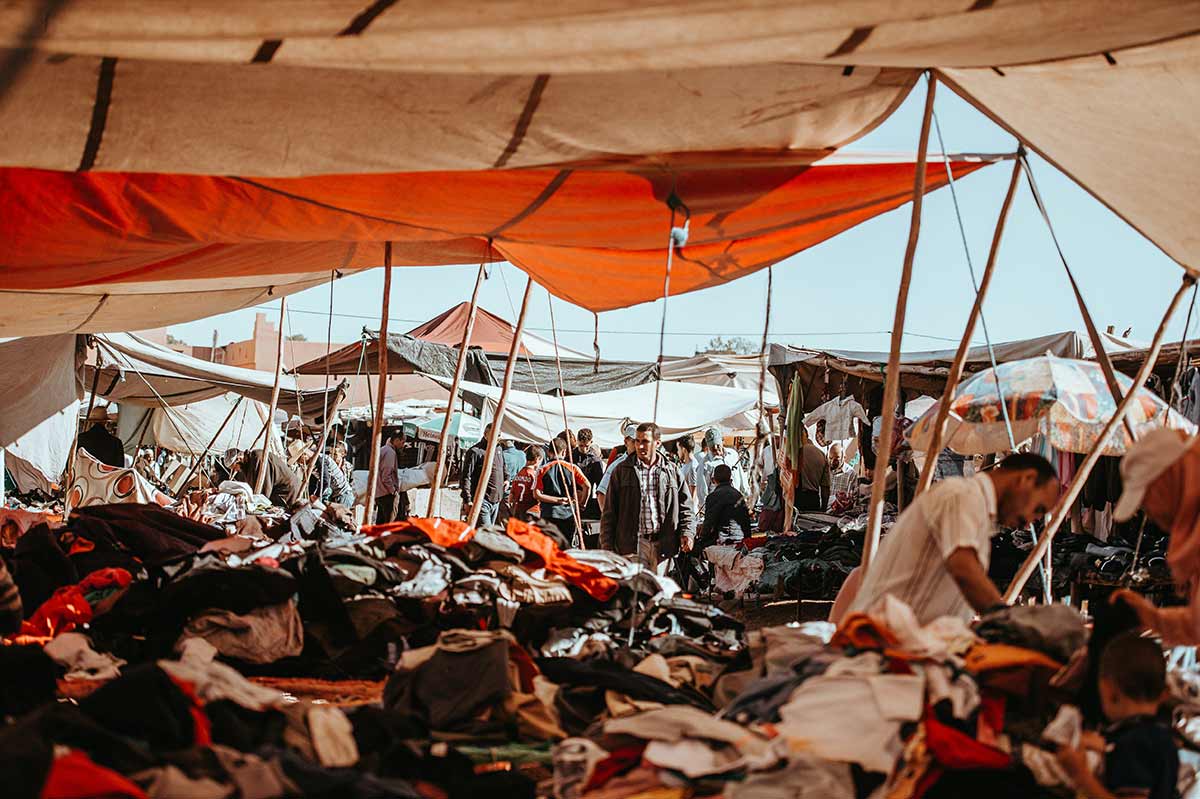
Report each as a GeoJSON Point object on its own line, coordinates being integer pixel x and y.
{"type": "Point", "coordinates": [96, 483]}
{"type": "Point", "coordinates": [839, 415]}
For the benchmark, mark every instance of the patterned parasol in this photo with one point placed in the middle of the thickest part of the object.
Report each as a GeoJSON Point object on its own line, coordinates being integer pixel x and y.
{"type": "Point", "coordinates": [1066, 400]}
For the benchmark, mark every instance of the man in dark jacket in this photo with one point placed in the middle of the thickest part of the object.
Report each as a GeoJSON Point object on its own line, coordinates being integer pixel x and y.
{"type": "Point", "coordinates": [726, 517]}
{"type": "Point", "coordinates": [472, 470]}
{"type": "Point", "coordinates": [646, 511]}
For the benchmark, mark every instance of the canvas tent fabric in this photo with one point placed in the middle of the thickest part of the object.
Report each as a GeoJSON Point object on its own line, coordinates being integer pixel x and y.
{"type": "Point", "coordinates": [598, 35]}
{"type": "Point", "coordinates": [37, 425]}
{"type": "Point", "coordinates": [185, 116]}
{"type": "Point", "coordinates": [406, 356]}
{"type": "Point", "coordinates": [508, 122]}
{"type": "Point", "coordinates": [190, 428]}
{"type": "Point", "coordinates": [491, 333]}
{"type": "Point", "coordinates": [682, 409]}
{"type": "Point", "coordinates": [134, 371]}
{"type": "Point", "coordinates": [596, 238]}
{"type": "Point", "coordinates": [723, 369]}
{"type": "Point", "coordinates": [539, 375]}
{"type": "Point", "coordinates": [1123, 130]}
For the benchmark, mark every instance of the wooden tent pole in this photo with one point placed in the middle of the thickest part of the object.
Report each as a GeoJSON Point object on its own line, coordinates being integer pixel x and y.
{"type": "Point", "coordinates": [892, 381]}
{"type": "Point", "coordinates": [262, 462]}
{"type": "Point", "coordinates": [70, 470]}
{"type": "Point", "coordinates": [960, 357]}
{"type": "Point", "coordinates": [489, 454]}
{"type": "Point", "coordinates": [329, 414]}
{"type": "Point", "coordinates": [382, 370]}
{"type": "Point", "coordinates": [439, 472]}
{"type": "Point", "coordinates": [1063, 508]}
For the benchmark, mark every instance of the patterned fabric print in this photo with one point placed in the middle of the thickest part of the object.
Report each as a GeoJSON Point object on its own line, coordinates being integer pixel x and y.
{"type": "Point", "coordinates": [1068, 400]}
{"type": "Point", "coordinates": [96, 483]}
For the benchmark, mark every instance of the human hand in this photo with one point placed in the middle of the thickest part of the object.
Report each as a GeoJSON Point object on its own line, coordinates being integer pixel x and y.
{"type": "Point", "coordinates": [686, 544]}
{"type": "Point", "coordinates": [1074, 763]}
{"type": "Point", "coordinates": [1092, 741]}
{"type": "Point", "coordinates": [1141, 606]}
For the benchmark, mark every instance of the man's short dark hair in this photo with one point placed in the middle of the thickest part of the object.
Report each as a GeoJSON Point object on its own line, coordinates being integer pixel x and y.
{"type": "Point", "coordinates": [651, 428]}
{"type": "Point", "coordinates": [559, 446]}
{"type": "Point", "coordinates": [584, 436]}
{"type": "Point", "coordinates": [1135, 665]}
{"type": "Point", "coordinates": [723, 474]}
{"type": "Point", "coordinates": [1020, 461]}
{"type": "Point", "coordinates": [688, 443]}
{"type": "Point", "coordinates": [533, 454]}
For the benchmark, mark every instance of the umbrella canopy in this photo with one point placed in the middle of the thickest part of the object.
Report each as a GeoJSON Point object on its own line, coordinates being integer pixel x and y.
{"type": "Point", "coordinates": [1066, 400]}
{"type": "Point", "coordinates": [465, 428]}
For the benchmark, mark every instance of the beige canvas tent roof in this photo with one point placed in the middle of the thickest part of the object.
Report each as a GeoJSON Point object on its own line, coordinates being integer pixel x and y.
{"type": "Point", "coordinates": [1106, 90]}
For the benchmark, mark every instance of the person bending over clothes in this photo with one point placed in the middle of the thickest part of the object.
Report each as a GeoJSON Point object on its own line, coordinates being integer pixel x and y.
{"type": "Point", "coordinates": [281, 484]}
{"type": "Point", "coordinates": [1161, 475]}
{"type": "Point", "coordinates": [935, 558]}
{"type": "Point", "coordinates": [1140, 758]}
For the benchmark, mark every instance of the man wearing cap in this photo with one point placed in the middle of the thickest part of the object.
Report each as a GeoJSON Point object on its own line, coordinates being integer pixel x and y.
{"type": "Point", "coordinates": [101, 444]}
{"type": "Point", "coordinates": [614, 461]}
{"type": "Point", "coordinates": [1161, 475]}
{"type": "Point", "coordinates": [935, 558]}
{"type": "Point", "coordinates": [647, 514]}
{"type": "Point", "coordinates": [715, 454]}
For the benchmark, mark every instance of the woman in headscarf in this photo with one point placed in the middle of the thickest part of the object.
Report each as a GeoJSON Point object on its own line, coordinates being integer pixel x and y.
{"type": "Point", "coordinates": [1161, 475]}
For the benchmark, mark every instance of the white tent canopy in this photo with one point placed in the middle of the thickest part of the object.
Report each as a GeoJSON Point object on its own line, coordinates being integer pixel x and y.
{"type": "Point", "coordinates": [189, 429]}
{"type": "Point", "coordinates": [683, 408]}
{"type": "Point", "coordinates": [41, 408]}
{"type": "Point", "coordinates": [139, 372]}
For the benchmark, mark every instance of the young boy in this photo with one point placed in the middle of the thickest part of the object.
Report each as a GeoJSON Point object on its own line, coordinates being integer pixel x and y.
{"type": "Point", "coordinates": [522, 497]}
{"type": "Point", "coordinates": [1140, 759]}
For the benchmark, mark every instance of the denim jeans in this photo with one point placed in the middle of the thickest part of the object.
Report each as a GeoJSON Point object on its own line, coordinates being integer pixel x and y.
{"type": "Point", "coordinates": [487, 512]}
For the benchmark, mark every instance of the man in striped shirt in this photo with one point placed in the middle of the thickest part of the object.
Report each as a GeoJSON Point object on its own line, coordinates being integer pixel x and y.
{"type": "Point", "coordinates": [936, 556]}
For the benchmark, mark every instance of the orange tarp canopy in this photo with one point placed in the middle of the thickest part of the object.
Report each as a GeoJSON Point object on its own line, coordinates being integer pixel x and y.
{"type": "Point", "coordinates": [596, 238]}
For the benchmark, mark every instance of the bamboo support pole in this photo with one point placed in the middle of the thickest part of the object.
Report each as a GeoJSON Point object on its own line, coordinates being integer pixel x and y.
{"type": "Point", "coordinates": [964, 346]}
{"type": "Point", "coordinates": [892, 381]}
{"type": "Point", "coordinates": [439, 472]}
{"type": "Point", "coordinates": [489, 455]}
{"type": "Point", "coordinates": [382, 370]}
{"type": "Point", "coordinates": [262, 462]}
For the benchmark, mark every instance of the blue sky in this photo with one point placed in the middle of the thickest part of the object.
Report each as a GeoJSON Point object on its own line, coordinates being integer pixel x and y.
{"type": "Point", "coordinates": [838, 294]}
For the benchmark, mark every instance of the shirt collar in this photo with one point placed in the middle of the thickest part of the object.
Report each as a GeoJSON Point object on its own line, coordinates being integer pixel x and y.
{"type": "Point", "coordinates": [989, 493]}
{"type": "Point", "coordinates": [646, 466]}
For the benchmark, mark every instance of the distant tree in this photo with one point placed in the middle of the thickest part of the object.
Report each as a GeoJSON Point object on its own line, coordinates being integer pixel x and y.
{"type": "Point", "coordinates": [297, 337]}
{"type": "Point", "coordinates": [734, 345]}
{"type": "Point", "coordinates": [173, 340]}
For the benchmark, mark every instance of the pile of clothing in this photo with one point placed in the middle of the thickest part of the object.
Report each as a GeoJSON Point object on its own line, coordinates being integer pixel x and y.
{"type": "Point", "coordinates": [504, 664]}
{"type": "Point", "coordinates": [805, 564]}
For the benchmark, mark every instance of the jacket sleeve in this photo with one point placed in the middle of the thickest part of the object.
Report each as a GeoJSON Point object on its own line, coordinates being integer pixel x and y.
{"type": "Point", "coordinates": [608, 519]}
{"type": "Point", "coordinates": [466, 480]}
{"type": "Point", "coordinates": [712, 518]}
{"type": "Point", "coordinates": [686, 522]}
